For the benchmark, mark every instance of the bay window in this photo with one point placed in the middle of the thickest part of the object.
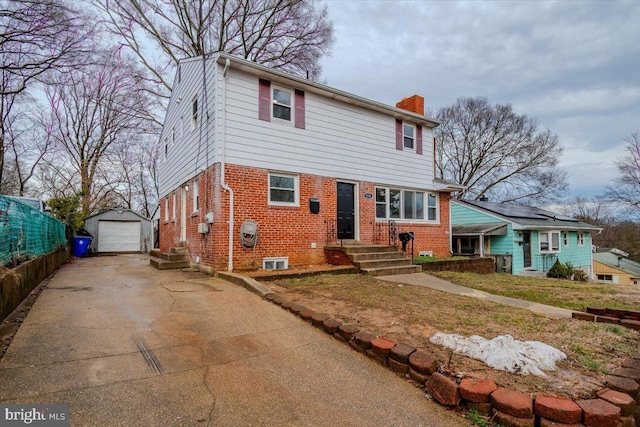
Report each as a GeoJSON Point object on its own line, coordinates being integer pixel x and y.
{"type": "Point", "coordinates": [395, 203]}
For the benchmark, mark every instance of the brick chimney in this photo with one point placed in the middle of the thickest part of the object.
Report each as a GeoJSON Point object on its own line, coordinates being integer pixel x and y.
{"type": "Point", "coordinates": [414, 103]}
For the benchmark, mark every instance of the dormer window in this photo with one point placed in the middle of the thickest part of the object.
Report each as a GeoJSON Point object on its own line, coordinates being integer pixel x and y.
{"type": "Point", "coordinates": [282, 103]}
{"type": "Point", "coordinates": [408, 135]}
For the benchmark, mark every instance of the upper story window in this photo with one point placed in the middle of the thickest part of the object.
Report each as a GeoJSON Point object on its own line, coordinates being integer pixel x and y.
{"type": "Point", "coordinates": [282, 103]}
{"type": "Point", "coordinates": [580, 238]}
{"type": "Point", "coordinates": [166, 149]}
{"type": "Point", "coordinates": [549, 241]}
{"type": "Point", "coordinates": [194, 112]}
{"type": "Point", "coordinates": [283, 190]}
{"type": "Point", "coordinates": [408, 135]}
{"type": "Point", "coordinates": [395, 203]}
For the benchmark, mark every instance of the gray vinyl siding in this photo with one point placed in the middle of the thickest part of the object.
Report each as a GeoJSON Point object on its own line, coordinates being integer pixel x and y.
{"type": "Point", "coordinates": [194, 149]}
{"type": "Point", "coordinates": [340, 140]}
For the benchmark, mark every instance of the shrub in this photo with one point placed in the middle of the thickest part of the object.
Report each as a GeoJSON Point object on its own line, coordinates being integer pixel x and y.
{"type": "Point", "coordinates": [580, 275]}
{"type": "Point", "coordinates": [559, 271]}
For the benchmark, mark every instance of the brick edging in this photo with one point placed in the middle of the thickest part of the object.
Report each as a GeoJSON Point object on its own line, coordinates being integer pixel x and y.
{"type": "Point", "coordinates": [626, 318]}
{"type": "Point", "coordinates": [613, 406]}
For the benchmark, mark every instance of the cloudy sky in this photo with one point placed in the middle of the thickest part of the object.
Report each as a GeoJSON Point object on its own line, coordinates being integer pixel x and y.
{"type": "Point", "coordinates": [573, 65]}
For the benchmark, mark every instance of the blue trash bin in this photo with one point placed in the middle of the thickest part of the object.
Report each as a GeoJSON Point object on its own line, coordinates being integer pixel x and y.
{"type": "Point", "coordinates": [81, 246]}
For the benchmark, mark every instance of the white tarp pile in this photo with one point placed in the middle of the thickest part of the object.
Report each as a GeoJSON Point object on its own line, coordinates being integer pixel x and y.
{"type": "Point", "coordinates": [504, 353]}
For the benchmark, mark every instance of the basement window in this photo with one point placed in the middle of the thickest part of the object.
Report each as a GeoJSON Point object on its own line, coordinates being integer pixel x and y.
{"type": "Point", "coordinates": [281, 263]}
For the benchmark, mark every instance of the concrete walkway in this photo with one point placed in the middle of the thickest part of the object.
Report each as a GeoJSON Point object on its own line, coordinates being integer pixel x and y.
{"type": "Point", "coordinates": [127, 345]}
{"type": "Point", "coordinates": [426, 280]}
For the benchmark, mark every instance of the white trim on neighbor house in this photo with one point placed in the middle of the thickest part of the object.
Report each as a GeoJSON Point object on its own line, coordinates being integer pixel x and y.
{"type": "Point", "coordinates": [552, 247]}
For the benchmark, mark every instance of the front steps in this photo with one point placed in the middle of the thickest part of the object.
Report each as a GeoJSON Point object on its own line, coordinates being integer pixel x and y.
{"type": "Point", "coordinates": [175, 258]}
{"type": "Point", "coordinates": [379, 260]}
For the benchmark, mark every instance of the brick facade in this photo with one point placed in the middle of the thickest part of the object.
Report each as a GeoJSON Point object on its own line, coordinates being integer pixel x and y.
{"type": "Point", "coordinates": [283, 231]}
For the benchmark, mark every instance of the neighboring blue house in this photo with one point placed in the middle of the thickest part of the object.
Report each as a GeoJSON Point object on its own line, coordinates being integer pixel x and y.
{"type": "Point", "coordinates": [534, 238]}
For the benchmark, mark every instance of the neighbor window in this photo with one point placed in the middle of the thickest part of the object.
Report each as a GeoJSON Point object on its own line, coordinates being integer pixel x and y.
{"type": "Point", "coordinates": [194, 112]}
{"type": "Point", "coordinates": [173, 207]}
{"type": "Point", "coordinates": [166, 149]}
{"type": "Point", "coordinates": [605, 277]}
{"type": "Point", "coordinates": [283, 189]}
{"type": "Point", "coordinates": [196, 196]}
{"type": "Point", "coordinates": [408, 135]}
{"type": "Point", "coordinates": [580, 238]}
{"type": "Point", "coordinates": [282, 104]}
{"type": "Point", "coordinates": [393, 203]}
{"type": "Point", "coordinates": [549, 241]}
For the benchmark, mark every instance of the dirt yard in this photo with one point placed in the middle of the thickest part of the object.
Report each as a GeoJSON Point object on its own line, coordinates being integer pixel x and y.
{"type": "Point", "coordinates": [412, 314]}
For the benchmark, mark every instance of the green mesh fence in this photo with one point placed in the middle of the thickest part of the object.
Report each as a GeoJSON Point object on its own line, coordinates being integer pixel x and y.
{"type": "Point", "coordinates": [27, 233]}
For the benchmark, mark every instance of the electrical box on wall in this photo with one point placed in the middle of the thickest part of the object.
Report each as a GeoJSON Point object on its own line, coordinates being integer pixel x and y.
{"type": "Point", "coordinates": [203, 228]}
{"type": "Point", "coordinates": [314, 206]}
{"type": "Point", "coordinates": [209, 217]}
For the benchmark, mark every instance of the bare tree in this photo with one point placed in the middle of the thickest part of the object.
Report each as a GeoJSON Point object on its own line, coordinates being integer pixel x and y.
{"type": "Point", "coordinates": [291, 35]}
{"type": "Point", "coordinates": [627, 184]}
{"type": "Point", "coordinates": [137, 163]}
{"type": "Point", "coordinates": [94, 109]}
{"type": "Point", "coordinates": [27, 143]}
{"type": "Point", "coordinates": [593, 210]}
{"type": "Point", "coordinates": [36, 37]}
{"type": "Point", "coordinates": [498, 154]}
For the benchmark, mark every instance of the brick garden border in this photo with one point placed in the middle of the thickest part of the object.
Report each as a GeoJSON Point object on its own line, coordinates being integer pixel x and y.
{"type": "Point", "coordinates": [614, 406]}
{"type": "Point", "coordinates": [627, 318]}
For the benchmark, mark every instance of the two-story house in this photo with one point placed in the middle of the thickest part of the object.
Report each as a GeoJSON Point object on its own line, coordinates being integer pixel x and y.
{"type": "Point", "coordinates": [262, 169]}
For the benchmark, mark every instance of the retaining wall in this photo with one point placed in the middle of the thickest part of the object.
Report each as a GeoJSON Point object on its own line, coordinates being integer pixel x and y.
{"type": "Point", "coordinates": [15, 284]}
{"type": "Point", "coordinates": [471, 265]}
{"type": "Point", "coordinates": [614, 406]}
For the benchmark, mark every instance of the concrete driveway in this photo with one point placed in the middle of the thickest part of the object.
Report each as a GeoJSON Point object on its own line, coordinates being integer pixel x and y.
{"type": "Point", "coordinates": [126, 345]}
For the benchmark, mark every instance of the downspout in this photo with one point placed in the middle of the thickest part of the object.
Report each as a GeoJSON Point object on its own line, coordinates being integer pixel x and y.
{"type": "Point", "coordinates": [450, 219]}
{"type": "Point", "coordinates": [223, 137]}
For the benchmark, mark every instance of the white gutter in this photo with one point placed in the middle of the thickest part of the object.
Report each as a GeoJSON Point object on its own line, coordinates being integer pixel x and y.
{"type": "Point", "coordinates": [223, 137]}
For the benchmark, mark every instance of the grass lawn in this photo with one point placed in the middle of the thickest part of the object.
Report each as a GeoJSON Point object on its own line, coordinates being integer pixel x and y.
{"type": "Point", "coordinates": [412, 314]}
{"type": "Point", "coordinates": [556, 292]}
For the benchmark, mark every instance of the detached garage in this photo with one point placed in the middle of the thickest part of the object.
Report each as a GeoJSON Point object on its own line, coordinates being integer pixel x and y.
{"type": "Point", "coordinates": [119, 230]}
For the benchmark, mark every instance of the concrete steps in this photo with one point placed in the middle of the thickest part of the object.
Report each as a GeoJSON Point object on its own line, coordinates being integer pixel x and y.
{"type": "Point", "coordinates": [177, 257]}
{"type": "Point", "coordinates": [379, 260]}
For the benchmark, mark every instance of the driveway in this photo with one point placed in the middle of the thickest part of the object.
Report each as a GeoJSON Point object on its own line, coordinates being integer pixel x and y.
{"type": "Point", "coordinates": [125, 345]}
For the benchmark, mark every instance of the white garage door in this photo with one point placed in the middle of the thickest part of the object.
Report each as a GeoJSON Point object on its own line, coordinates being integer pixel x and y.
{"type": "Point", "coordinates": [118, 236]}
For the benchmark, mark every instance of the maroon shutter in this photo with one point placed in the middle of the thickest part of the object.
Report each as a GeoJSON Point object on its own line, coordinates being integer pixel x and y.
{"type": "Point", "coordinates": [418, 139]}
{"type": "Point", "coordinates": [264, 100]}
{"type": "Point", "coordinates": [299, 100]}
{"type": "Point", "coordinates": [399, 141]}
